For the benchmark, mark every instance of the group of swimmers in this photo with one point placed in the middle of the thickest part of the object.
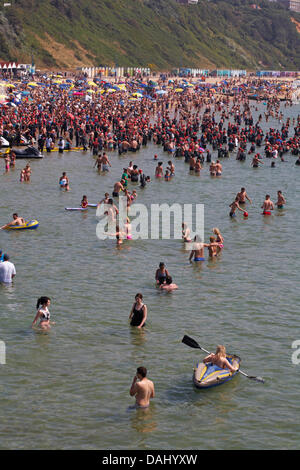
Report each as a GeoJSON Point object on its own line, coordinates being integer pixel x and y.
{"type": "Point", "coordinates": [267, 205]}
{"type": "Point", "coordinates": [178, 132]}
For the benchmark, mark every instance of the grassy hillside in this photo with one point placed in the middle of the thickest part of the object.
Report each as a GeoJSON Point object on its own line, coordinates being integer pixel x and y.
{"type": "Point", "coordinates": [216, 33]}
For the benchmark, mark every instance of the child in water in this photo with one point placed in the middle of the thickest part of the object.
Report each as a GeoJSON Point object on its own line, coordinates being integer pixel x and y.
{"type": "Point", "coordinates": [84, 202]}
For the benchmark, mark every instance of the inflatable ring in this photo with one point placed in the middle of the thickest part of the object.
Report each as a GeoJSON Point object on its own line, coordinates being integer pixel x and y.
{"type": "Point", "coordinates": [27, 226]}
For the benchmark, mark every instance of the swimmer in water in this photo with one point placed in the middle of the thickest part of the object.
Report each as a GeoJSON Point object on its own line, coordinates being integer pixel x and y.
{"type": "Point", "coordinates": [280, 200]}
{"type": "Point", "coordinates": [256, 161]}
{"type": "Point", "coordinates": [212, 248]}
{"type": "Point", "coordinates": [212, 169]}
{"type": "Point", "coordinates": [171, 168]}
{"type": "Point", "coordinates": [119, 234]}
{"type": "Point", "coordinates": [242, 196]}
{"type": "Point", "coordinates": [219, 239]}
{"type": "Point", "coordinates": [186, 233]}
{"type": "Point", "coordinates": [161, 274]}
{"type": "Point", "coordinates": [267, 206]}
{"type": "Point", "coordinates": [84, 202]}
{"type": "Point", "coordinates": [142, 388]}
{"type": "Point", "coordinates": [43, 314]}
{"type": "Point", "coordinates": [234, 206]}
{"type": "Point", "coordinates": [159, 170]}
{"type": "Point", "coordinates": [138, 313]}
{"type": "Point", "coordinates": [198, 249]}
{"type": "Point", "coordinates": [64, 181]}
{"type": "Point", "coordinates": [218, 168]}
{"type": "Point", "coordinates": [169, 285]}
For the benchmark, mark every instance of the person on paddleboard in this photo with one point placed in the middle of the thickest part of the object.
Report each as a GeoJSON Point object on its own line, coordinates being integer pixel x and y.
{"type": "Point", "coordinates": [219, 359]}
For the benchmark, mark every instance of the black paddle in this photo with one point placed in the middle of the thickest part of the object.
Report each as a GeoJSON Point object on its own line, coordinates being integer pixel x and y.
{"type": "Point", "coordinates": [193, 344]}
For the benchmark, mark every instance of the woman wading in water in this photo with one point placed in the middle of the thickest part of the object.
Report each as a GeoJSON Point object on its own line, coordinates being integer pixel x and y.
{"type": "Point", "coordinates": [43, 314]}
{"type": "Point", "coordinates": [138, 314]}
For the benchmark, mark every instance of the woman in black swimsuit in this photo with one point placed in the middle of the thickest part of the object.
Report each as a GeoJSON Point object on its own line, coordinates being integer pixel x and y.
{"type": "Point", "coordinates": [134, 174]}
{"type": "Point", "coordinates": [138, 314]}
{"type": "Point", "coordinates": [161, 274]}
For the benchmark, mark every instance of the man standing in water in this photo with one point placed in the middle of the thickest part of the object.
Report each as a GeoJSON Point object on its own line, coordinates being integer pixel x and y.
{"type": "Point", "coordinates": [267, 206]}
{"type": "Point", "coordinates": [142, 388]}
{"type": "Point", "coordinates": [280, 200]}
{"type": "Point", "coordinates": [242, 196]}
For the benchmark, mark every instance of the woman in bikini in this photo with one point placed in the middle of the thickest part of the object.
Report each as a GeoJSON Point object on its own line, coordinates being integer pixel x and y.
{"type": "Point", "coordinates": [219, 239]}
{"type": "Point", "coordinates": [43, 314]}
{"type": "Point", "coordinates": [159, 170]}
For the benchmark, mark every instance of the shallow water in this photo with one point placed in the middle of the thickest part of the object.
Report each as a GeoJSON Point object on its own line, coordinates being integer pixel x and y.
{"type": "Point", "coordinates": [70, 389]}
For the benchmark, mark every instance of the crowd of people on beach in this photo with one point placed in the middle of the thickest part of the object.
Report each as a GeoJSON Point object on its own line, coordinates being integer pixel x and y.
{"type": "Point", "coordinates": [201, 124]}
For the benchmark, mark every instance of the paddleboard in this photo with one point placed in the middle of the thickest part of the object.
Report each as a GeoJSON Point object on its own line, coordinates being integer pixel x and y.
{"type": "Point", "coordinates": [76, 209]}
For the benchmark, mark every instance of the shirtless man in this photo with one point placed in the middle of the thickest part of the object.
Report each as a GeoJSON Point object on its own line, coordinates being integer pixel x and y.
{"type": "Point", "coordinates": [192, 163]}
{"type": "Point", "coordinates": [142, 388]}
{"type": "Point", "coordinates": [218, 168]}
{"type": "Point", "coordinates": [212, 169]}
{"type": "Point", "coordinates": [171, 168]}
{"type": "Point", "coordinates": [198, 249]}
{"type": "Point", "coordinates": [234, 206]}
{"type": "Point", "coordinates": [280, 200]}
{"type": "Point", "coordinates": [242, 196]}
{"type": "Point", "coordinates": [105, 162]}
{"type": "Point", "coordinates": [16, 221]}
{"type": "Point", "coordinates": [104, 200]}
{"type": "Point", "coordinates": [119, 186]}
{"type": "Point", "coordinates": [256, 161]}
{"type": "Point", "coordinates": [98, 162]}
{"type": "Point", "coordinates": [185, 233]}
{"type": "Point", "coordinates": [267, 206]}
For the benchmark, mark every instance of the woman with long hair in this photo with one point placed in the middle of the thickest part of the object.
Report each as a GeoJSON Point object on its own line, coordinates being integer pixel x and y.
{"type": "Point", "coordinates": [219, 239]}
{"type": "Point", "coordinates": [43, 313]}
{"type": "Point", "coordinates": [219, 359]}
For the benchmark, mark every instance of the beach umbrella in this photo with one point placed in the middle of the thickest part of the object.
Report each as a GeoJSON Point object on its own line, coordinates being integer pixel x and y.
{"type": "Point", "coordinates": [161, 92]}
{"type": "Point", "coordinates": [110, 90]}
{"type": "Point", "coordinates": [32, 84]}
{"type": "Point", "coordinates": [178, 90]}
{"type": "Point", "coordinates": [137, 95]}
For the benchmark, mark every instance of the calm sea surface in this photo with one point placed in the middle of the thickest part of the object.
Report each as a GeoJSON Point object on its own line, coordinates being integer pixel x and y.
{"type": "Point", "coordinates": [70, 389]}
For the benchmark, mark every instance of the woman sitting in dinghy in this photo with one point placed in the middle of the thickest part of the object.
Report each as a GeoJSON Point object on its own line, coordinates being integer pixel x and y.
{"type": "Point", "coordinates": [219, 359]}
